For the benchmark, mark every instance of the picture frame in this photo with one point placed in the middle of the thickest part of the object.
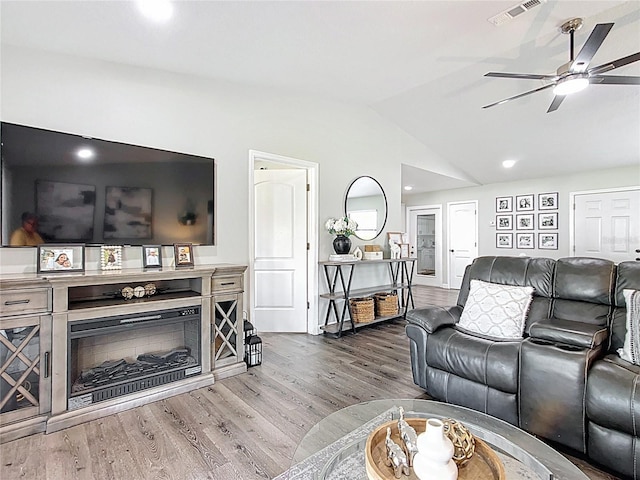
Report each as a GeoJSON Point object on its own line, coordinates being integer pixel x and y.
{"type": "Point", "coordinates": [525, 240]}
{"type": "Point", "coordinates": [525, 221]}
{"type": "Point", "coordinates": [548, 221]}
{"type": "Point", "coordinates": [394, 237]}
{"type": "Point", "coordinates": [60, 258]}
{"type": "Point", "coordinates": [151, 256]}
{"type": "Point", "coordinates": [111, 257]}
{"type": "Point", "coordinates": [524, 203]}
{"type": "Point", "coordinates": [504, 204]}
{"type": "Point", "coordinates": [504, 240]}
{"type": "Point", "coordinates": [548, 201]}
{"type": "Point", "coordinates": [404, 250]}
{"type": "Point", "coordinates": [547, 241]}
{"type": "Point", "coordinates": [183, 254]}
{"type": "Point", "coordinates": [504, 222]}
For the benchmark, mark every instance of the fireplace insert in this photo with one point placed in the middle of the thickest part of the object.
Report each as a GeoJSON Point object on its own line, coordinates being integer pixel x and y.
{"type": "Point", "coordinates": [114, 356]}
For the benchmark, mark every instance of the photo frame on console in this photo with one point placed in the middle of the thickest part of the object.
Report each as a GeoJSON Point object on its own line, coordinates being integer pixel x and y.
{"type": "Point", "coordinates": [183, 254]}
{"type": "Point", "coordinates": [111, 257]}
{"type": "Point", "coordinates": [151, 256]}
{"type": "Point", "coordinates": [60, 258]}
{"type": "Point", "coordinates": [394, 237]}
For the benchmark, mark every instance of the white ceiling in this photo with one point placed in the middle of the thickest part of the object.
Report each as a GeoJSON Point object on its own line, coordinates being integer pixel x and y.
{"type": "Point", "coordinates": [420, 64]}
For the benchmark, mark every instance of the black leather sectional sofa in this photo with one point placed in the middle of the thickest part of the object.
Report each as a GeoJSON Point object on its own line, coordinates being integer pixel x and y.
{"type": "Point", "coordinates": [564, 380]}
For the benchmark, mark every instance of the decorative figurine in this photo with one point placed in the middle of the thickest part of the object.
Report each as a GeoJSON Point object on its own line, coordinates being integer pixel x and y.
{"type": "Point", "coordinates": [396, 457]}
{"type": "Point", "coordinates": [409, 437]}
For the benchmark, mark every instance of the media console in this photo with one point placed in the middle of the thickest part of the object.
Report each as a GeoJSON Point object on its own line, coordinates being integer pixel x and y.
{"type": "Point", "coordinates": [76, 347]}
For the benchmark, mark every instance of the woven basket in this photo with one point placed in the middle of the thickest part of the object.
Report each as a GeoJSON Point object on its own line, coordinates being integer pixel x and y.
{"type": "Point", "coordinates": [386, 304]}
{"type": "Point", "coordinates": [362, 309]}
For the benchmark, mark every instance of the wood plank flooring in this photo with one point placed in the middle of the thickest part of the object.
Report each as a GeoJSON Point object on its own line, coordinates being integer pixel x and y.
{"type": "Point", "coordinates": [245, 427]}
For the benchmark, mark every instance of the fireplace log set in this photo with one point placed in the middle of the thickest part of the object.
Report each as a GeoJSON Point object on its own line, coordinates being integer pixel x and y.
{"type": "Point", "coordinates": [120, 370]}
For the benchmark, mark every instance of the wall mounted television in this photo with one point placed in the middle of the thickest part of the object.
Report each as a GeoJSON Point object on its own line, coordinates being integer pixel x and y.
{"type": "Point", "coordinates": [103, 192]}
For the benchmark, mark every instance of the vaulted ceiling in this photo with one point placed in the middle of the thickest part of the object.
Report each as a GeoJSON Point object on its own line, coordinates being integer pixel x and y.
{"type": "Point", "coordinates": [419, 64]}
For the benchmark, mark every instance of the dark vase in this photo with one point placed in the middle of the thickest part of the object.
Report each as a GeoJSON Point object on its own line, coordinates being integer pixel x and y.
{"type": "Point", "coordinates": [342, 244]}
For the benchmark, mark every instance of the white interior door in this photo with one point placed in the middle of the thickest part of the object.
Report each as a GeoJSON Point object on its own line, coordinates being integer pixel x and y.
{"type": "Point", "coordinates": [462, 219]}
{"type": "Point", "coordinates": [280, 250]}
{"type": "Point", "coordinates": [607, 225]}
{"type": "Point", "coordinates": [425, 236]}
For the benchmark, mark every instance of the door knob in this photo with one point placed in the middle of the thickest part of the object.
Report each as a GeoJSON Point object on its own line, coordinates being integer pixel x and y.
{"type": "Point", "coordinates": [451, 251]}
{"type": "Point", "coordinates": [637, 250]}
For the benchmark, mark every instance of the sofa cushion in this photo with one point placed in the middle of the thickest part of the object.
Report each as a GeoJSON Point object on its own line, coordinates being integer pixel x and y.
{"type": "Point", "coordinates": [496, 311]}
{"type": "Point", "coordinates": [567, 332]}
{"type": "Point", "coordinates": [613, 395]}
{"type": "Point", "coordinates": [480, 360]}
{"type": "Point", "coordinates": [631, 349]}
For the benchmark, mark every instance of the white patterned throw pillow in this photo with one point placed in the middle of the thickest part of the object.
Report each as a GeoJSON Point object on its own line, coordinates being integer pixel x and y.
{"type": "Point", "coordinates": [497, 311]}
{"type": "Point", "coordinates": [631, 349]}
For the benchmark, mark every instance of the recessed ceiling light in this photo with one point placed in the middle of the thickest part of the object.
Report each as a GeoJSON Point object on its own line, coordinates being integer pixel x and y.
{"type": "Point", "coordinates": [508, 163]}
{"type": "Point", "coordinates": [156, 10]}
{"type": "Point", "coordinates": [408, 187]}
{"type": "Point", "coordinates": [85, 153]}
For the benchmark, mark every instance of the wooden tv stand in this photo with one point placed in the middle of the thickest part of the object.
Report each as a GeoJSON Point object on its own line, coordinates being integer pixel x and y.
{"type": "Point", "coordinates": [46, 307]}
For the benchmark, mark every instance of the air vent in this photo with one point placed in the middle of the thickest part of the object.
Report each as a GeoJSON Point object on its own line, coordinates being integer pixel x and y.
{"type": "Point", "coordinates": [511, 13]}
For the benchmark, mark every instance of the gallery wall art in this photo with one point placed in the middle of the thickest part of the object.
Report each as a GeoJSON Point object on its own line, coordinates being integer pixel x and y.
{"type": "Point", "coordinates": [541, 216]}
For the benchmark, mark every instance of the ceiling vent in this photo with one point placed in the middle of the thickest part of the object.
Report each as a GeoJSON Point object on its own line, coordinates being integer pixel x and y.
{"type": "Point", "coordinates": [511, 13]}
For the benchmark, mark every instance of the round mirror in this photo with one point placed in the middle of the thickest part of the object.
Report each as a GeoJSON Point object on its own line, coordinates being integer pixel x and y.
{"type": "Point", "coordinates": [366, 203]}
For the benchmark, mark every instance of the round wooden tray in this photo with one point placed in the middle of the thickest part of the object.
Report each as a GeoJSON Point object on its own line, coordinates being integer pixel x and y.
{"type": "Point", "coordinates": [484, 464]}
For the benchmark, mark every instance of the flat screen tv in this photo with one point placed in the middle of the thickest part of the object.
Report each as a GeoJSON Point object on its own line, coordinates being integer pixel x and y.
{"type": "Point", "coordinates": [95, 191]}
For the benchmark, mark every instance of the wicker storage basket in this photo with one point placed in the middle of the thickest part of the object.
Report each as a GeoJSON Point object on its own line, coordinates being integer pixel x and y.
{"type": "Point", "coordinates": [386, 304]}
{"type": "Point", "coordinates": [362, 309]}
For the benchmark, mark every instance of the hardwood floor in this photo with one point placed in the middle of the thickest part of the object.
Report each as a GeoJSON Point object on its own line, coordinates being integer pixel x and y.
{"type": "Point", "coordinates": [245, 427]}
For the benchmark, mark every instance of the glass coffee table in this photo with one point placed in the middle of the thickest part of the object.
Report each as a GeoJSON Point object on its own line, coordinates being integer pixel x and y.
{"type": "Point", "coordinates": [334, 448]}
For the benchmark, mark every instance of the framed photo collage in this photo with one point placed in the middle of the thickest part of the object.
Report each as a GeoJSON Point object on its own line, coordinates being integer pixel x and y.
{"type": "Point", "coordinates": [527, 221]}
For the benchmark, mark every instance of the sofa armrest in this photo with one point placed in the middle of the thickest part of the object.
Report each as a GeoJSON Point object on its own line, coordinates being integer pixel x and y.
{"type": "Point", "coordinates": [432, 318]}
{"type": "Point", "coordinates": [569, 332]}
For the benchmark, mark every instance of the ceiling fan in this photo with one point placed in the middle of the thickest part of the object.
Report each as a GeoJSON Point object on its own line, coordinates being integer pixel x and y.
{"type": "Point", "coordinates": [576, 74]}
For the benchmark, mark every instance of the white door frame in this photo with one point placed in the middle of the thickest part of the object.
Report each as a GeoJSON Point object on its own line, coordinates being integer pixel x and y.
{"type": "Point", "coordinates": [448, 250]}
{"type": "Point", "coordinates": [572, 212]}
{"type": "Point", "coordinates": [438, 280]}
{"type": "Point", "coordinates": [312, 232]}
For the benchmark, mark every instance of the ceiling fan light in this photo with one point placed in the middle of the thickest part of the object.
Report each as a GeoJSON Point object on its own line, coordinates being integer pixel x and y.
{"type": "Point", "coordinates": [570, 85]}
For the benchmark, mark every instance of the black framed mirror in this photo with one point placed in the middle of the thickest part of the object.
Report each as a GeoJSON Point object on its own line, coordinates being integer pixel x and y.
{"type": "Point", "coordinates": [366, 203]}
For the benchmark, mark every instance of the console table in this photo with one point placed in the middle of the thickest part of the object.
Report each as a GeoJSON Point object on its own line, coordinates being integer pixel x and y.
{"type": "Point", "coordinates": [339, 276]}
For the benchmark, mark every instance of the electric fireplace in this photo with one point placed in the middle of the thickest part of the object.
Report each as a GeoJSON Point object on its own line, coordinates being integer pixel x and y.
{"type": "Point", "coordinates": [118, 355]}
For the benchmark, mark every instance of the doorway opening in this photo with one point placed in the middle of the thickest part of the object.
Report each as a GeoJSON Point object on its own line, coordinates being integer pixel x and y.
{"type": "Point", "coordinates": [425, 236]}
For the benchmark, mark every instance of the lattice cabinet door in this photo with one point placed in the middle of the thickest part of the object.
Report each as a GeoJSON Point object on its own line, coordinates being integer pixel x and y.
{"type": "Point", "coordinates": [24, 367]}
{"type": "Point", "coordinates": [226, 330]}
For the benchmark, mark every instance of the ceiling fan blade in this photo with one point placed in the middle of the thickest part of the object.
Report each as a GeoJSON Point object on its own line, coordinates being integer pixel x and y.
{"type": "Point", "coordinates": [614, 80]}
{"type": "Point", "coordinates": [526, 76]}
{"type": "Point", "coordinates": [520, 95]}
{"type": "Point", "coordinates": [591, 46]}
{"type": "Point", "coordinates": [557, 100]}
{"type": "Point", "coordinates": [621, 62]}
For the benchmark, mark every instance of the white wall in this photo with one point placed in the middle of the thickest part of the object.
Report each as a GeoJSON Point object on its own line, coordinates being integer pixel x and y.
{"type": "Point", "coordinates": [486, 197]}
{"type": "Point", "coordinates": [212, 119]}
